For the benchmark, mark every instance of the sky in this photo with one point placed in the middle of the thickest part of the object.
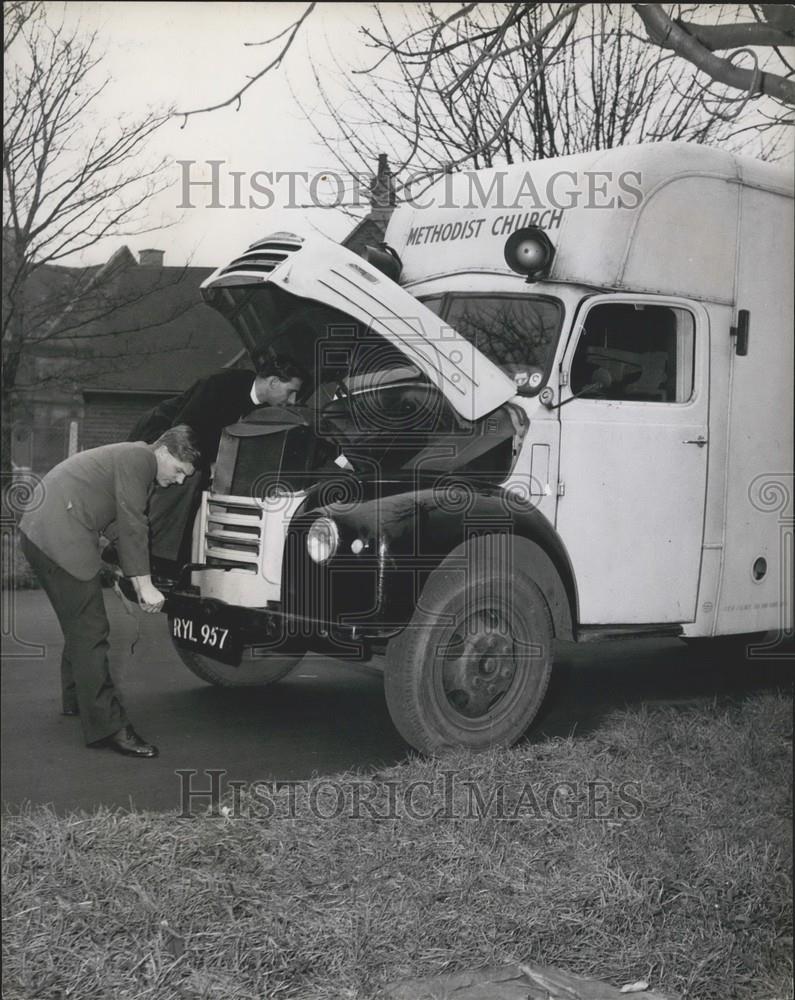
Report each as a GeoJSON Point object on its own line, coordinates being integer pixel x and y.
{"type": "Point", "coordinates": [191, 54]}
{"type": "Point", "coordinates": [194, 54]}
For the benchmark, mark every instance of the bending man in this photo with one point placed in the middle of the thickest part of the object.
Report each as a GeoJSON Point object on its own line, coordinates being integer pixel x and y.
{"type": "Point", "coordinates": [103, 491]}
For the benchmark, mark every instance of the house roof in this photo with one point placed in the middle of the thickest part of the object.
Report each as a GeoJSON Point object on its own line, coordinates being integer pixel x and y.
{"type": "Point", "coordinates": [128, 327]}
{"type": "Point", "coordinates": [368, 232]}
{"type": "Point", "coordinates": [138, 329]}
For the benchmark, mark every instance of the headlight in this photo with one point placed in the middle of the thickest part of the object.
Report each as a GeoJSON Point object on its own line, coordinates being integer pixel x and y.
{"type": "Point", "coordinates": [322, 540]}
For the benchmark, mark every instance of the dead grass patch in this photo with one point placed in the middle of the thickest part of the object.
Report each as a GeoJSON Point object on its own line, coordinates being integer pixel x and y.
{"type": "Point", "coordinates": [690, 891]}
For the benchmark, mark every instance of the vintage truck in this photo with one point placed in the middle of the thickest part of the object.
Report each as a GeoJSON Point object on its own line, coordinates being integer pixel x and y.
{"type": "Point", "coordinates": [555, 405]}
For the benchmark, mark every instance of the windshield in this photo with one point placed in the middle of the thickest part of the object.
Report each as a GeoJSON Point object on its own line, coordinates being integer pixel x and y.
{"type": "Point", "coordinates": [517, 332]}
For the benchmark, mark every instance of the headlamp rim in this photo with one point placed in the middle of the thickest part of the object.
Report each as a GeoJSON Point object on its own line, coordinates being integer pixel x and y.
{"type": "Point", "coordinates": [330, 525]}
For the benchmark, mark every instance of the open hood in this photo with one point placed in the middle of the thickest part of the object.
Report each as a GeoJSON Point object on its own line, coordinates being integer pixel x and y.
{"type": "Point", "coordinates": [318, 270]}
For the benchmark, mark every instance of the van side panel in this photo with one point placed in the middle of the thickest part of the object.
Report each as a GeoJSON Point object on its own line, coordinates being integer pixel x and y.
{"type": "Point", "coordinates": [720, 355]}
{"type": "Point", "coordinates": [758, 521]}
{"type": "Point", "coordinates": [667, 251]}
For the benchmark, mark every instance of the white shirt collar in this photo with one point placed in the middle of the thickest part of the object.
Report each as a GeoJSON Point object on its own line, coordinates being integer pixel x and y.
{"type": "Point", "coordinates": [253, 394]}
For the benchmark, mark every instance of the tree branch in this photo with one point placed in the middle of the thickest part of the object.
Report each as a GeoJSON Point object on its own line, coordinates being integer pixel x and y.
{"type": "Point", "coordinates": [732, 36]}
{"type": "Point", "coordinates": [274, 64]}
{"type": "Point", "coordinates": [663, 31]}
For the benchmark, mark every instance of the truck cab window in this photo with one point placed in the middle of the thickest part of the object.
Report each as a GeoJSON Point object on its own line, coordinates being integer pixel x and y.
{"type": "Point", "coordinates": [635, 352]}
{"type": "Point", "coordinates": [518, 333]}
{"type": "Point", "coordinates": [434, 303]}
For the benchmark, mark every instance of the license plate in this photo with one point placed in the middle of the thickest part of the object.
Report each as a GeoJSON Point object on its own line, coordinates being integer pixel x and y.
{"type": "Point", "coordinates": [208, 637]}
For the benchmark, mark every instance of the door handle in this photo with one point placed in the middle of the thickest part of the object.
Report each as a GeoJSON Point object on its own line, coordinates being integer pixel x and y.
{"type": "Point", "coordinates": [700, 441]}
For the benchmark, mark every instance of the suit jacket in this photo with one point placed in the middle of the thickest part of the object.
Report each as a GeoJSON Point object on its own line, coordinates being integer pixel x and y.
{"type": "Point", "coordinates": [208, 406]}
{"type": "Point", "coordinates": [83, 496]}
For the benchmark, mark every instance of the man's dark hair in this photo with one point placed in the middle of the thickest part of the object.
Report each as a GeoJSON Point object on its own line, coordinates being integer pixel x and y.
{"type": "Point", "coordinates": [182, 442]}
{"type": "Point", "coordinates": [283, 367]}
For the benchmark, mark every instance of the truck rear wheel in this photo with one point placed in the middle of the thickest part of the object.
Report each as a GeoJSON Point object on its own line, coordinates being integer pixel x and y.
{"type": "Point", "coordinates": [254, 671]}
{"type": "Point", "coordinates": [473, 665]}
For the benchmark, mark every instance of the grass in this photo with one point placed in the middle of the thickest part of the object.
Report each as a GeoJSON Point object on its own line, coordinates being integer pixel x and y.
{"type": "Point", "coordinates": [684, 879]}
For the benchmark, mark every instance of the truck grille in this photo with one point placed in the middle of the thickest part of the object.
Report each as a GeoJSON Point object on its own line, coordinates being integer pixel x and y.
{"type": "Point", "coordinates": [233, 534]}
{"type": "Point", "coordinates": [240, 547]}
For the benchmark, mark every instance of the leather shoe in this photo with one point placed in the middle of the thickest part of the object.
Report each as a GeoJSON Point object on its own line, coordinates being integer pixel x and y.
{"type": "Point", "coordinates": [126, 741]}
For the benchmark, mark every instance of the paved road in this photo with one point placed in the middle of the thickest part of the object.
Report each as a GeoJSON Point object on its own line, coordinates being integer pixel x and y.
{"type": "Point", "coordinates": [325, 717]}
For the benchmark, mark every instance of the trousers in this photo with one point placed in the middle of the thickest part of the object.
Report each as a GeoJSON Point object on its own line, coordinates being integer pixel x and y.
{"type": "Point", "coordinates": [86, 683]}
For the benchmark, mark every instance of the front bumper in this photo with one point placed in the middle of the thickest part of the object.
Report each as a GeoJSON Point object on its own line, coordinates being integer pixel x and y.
{"type": "Point", "coordinates": [272, 626]}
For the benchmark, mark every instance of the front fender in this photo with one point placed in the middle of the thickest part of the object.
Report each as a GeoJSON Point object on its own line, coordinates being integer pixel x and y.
{"type": "Point", "coordinates": [402, 535]}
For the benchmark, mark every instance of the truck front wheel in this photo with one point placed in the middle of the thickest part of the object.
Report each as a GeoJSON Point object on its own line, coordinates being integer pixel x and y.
{"type": "Point", "coordinates": [254, 671]}
{"type": "Point", "coordinates": [472, 667]}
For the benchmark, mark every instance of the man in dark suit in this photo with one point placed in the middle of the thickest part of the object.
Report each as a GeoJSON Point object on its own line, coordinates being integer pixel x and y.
{"type": "Point", "coordinates": [103, 491]}
{"type": "Point", "coordinates": [207, 406]}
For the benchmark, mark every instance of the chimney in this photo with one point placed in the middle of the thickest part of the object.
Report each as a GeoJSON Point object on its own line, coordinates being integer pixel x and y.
{"type": "Point", "coordinates": [382, 192]}
{"type": "Point", "coordinates": [151, 258]}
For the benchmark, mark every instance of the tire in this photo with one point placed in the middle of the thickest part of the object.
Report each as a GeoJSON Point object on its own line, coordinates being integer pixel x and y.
{"type": "Point", "coordinates": [252, 672]}
{"type": "Point", "coordinates": [473, 666]}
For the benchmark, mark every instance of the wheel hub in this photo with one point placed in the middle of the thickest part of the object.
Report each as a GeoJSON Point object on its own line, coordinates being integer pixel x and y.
{"type": "Point", "coordinates": [479, 664]}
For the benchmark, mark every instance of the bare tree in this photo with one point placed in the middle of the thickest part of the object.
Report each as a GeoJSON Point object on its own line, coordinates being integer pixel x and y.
{"type": "Point", "coordinates": [16, 15]}
{"type": "Point", "coordinates": [465, 56]}
{"type": "Point", "coordinates": [68, 184]}
{"type": "Point", "coordinates": [495, 83]}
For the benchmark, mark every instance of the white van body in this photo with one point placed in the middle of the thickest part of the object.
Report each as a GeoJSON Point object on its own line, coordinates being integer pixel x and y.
{"type": "Point", "coordinates": [602, 449]}
{"type": "Point", "coordinates": [666, 509]}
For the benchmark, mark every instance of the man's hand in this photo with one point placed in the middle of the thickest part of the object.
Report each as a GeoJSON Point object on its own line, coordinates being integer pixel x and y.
{"type": "Point", "coordinates": [149, 597]}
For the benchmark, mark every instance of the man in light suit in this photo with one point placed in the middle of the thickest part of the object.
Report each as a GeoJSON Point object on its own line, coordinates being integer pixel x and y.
{"type": "Point", "coordinates": [103, 491]}
{"type": "Point", "coordinates": [207, 406]}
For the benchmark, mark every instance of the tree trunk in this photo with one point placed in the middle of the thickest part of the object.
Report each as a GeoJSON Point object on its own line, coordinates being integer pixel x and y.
{"type": "Point", "coordinates": [5, 441]}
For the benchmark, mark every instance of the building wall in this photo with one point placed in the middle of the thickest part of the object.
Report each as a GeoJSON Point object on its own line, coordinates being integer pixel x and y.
{"type": "Point", "coordinates": [41, 428]}
{"type": "Point", "coordinates": [110, 416]}
{"type": "Point", "coordinates": [41, 445]}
